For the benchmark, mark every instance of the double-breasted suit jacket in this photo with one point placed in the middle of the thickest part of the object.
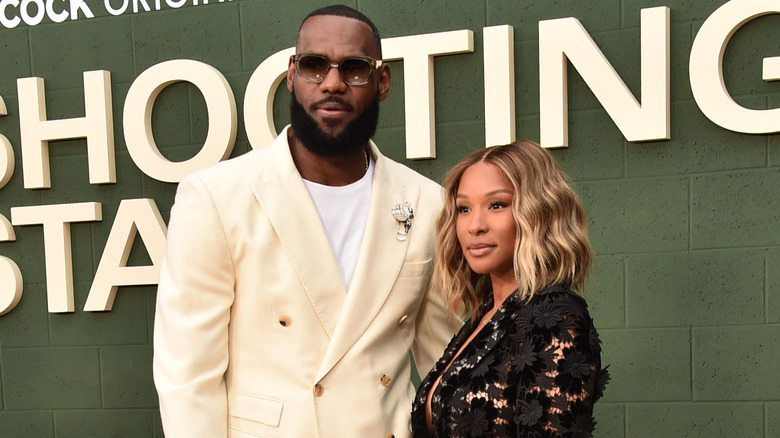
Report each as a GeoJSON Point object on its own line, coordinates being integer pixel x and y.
{"type": "Point", "coordinates": [255, 334]}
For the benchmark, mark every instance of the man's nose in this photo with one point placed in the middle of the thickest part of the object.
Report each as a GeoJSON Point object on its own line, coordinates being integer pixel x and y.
{"type": "Point", "coordinates": [334, 81]}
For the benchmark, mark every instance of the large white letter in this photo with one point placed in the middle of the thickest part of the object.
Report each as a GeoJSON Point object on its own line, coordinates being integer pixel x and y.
{"type": "Point", "coordinates": [57, 17]}
{"type": "Point", "coordinates": [9, 23]}
{"type": "Point", "coordinates": [10, 275]}
{"type": "Point", "coordinates": [135, 216]}
{"type": "Point", "coordinates": [80, 5]}
{"type": "Point", "coordinates": [566, 38]}
{"type": "Point", "coordinates": [116, 11]}
{"type": "Point", "coordinates": [40, 12]}
{"type": "Point", "coordinates": [259, 98]}
{"type": "Point", "coordinates": [6, 152]}
{"type": "Point", "coordinates": [220, 103]}
{"type": "Point", "coordinates": [56, 220]}
{"type": "Point", "coordinates": [97, 126]}
{"type": "Point", "coordinates": [706, 69]}
{"type": "Point", "coordinates": [11, 284]}
{"type": "Point", "coordinates": [499, 67]}
{"type": "Point", "coordinates": [417, 52]}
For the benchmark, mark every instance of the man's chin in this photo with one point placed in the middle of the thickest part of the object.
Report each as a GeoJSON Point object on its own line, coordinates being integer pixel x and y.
{"type": "Point", "coordinates": [332, 127]}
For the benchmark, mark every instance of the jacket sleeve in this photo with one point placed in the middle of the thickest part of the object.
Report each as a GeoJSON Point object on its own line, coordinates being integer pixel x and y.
{"type": "Point", "coordinates": [435, 327]}
{"type": "Point", "coordinates": [194, 298]}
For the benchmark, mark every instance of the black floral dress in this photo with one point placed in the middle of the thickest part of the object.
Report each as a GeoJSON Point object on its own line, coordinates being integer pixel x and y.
{"type": "Point", "coordinates": [534, 370]}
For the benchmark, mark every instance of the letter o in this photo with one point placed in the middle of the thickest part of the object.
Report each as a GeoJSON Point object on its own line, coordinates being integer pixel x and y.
{"type": "Point", "coordinates": [137, 118]}
{"type": "Point", "coordinates": [32, 20]}
{"type": "Point", "coordinates": [121, 10]}
{"type": "Point", "coordinates": [259, 97]}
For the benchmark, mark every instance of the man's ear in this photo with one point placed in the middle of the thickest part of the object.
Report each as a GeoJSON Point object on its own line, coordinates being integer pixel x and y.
{"type": "Point", "coordinates": [290, 74]}
{"type": "Point", "coordinates": [384, 81]}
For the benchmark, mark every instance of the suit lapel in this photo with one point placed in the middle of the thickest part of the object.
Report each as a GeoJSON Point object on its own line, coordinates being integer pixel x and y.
{"type": "Point", "coordinates": [380, 260]}
{"type": "Point", "coordinates": [283, 196]}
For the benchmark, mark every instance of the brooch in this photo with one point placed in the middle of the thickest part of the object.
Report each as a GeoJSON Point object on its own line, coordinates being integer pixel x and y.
{"type": "Point", "coordinates": [404, 215]}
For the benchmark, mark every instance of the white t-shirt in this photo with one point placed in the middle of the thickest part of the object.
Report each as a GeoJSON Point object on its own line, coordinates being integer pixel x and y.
{"type": "Point", "coordinates": [344, 211]}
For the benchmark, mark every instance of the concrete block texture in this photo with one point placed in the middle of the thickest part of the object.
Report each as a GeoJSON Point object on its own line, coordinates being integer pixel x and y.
{"type": "Point", "coordinates": [774, 143]}
{"type": "Point", "coordinates": [685, 291]}
{"type": "Point", "coordinates": [191, 33]}
{"type": "Point", "coordinates": [736, 209]}
{"type": "Point", "coordinates": [28, 324]}
{"type": "Point", "coordinates": [589, 155]}
{"type": "Point", "coordinates": [695, 288]}
{"type": "Point", "coordinates": [637, 215]}
{"type": "Point", "coordinates": [647, 364]}
{"type": "Point", "coordinates": [610, 420]}
{"type": "Point", "coordinates": [50, 378]}
{"type": "Point", "coordinates": [694, 147]}
{"type": "Point", "coordinates": [126, 373]}
{"type": "Point", "coordinates": [773, 419]}
{"type": "Point", "coordinates": [27, 424]}
{"type": "Point", "coordinates": [695, 420]}
{"type": "Point", "coordinates": [125, 423]}
{"type": "Point", "coordinates": [736, 363]}
{"type": "Point", "coordinates": [14, 50]}
{"type": "Point", "coordinates": [596, 17]}
{"type": "Point", "coordinates": [127, 327]}
{"type": "Point", "coordinates": [604, 292]}
{"type": "Point", "coordinates": [773, 286]}
{"type": "Point", "coordinates": [100, 44]}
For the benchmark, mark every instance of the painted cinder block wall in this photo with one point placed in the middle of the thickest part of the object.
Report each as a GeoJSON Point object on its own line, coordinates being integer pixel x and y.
{"type": "Point", "coordinates": [686, 292]}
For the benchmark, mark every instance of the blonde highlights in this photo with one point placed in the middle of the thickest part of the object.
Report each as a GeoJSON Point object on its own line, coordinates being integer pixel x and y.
{"type": "Point", "coordinates": [551, 245]}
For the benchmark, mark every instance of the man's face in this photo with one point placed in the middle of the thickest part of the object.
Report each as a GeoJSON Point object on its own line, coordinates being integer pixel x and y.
{"type": "Point", "coordinates": [332, 104]}
{"type": "Point", "coordinates": [352, 138]}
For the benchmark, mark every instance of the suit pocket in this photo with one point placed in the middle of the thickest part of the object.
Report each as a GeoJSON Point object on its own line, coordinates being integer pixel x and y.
{"type": "Point", "coordinates": [258, 409]}
{"type": "Point", "coordinates": [416, 269]}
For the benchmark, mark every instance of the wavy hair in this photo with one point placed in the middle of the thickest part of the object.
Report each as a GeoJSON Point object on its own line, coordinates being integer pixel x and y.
{"type": "Point", "coordinates": [551, 245]}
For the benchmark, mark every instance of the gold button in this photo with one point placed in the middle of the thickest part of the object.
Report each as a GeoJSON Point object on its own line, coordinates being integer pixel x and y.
{"type": "Point", "coordinates": [403, 319]}
{"type": "Point", "coordinates": [285, 320]}
{"type": "Point", "coordinates": [318, 390]}
{"type": "Point", "coordinates": [385, 380]}
{"type": "Point", "coordinates": [389, 435]}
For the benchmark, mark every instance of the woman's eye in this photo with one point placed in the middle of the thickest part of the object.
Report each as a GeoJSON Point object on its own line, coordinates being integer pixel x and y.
{"type": "Point", "coordinates": [461, 209]}
{"type": "Point", "coordinates": [497, 205]}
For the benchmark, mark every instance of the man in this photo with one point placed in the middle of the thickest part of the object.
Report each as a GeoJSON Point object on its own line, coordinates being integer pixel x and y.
{"type": "Point", "coordinates": [297, 275]}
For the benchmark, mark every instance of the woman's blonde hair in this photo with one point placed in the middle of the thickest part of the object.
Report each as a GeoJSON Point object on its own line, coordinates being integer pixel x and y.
{"type": "Point", "coordinates": [551, 245]}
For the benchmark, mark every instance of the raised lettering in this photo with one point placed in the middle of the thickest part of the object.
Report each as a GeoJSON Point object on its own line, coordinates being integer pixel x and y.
{"type": "Point", "coordinates": [417, 52]}
{"type": "Point", "coordinates": [499, 68]}
{"type": "Point", "coordinates": [220, 103]}
{"type": "Point", "coordinates": [706, 69]}
{"type": "Point", "coordinates": [135, 216]}
{"type": "Point", "coordinates": [97, 126]}
{"type": "Point", "coordinates": [56, 220]}
{"type": "Point", "coordinates": [566, 38]}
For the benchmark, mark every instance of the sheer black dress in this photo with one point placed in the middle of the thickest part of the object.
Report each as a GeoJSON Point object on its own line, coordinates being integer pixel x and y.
{"type": "Point", "coordinates": [533, 371]}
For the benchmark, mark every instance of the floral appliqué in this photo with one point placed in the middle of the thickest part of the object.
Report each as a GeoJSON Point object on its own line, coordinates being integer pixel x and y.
{"type": "Point", "coordinates": [533, 371]}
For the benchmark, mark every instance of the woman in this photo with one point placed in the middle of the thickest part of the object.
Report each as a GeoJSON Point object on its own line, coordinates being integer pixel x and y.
{"type": "Point", "coordinates": [512, 246]}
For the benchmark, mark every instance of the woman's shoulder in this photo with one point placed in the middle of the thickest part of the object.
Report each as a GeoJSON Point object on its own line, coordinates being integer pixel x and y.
{"type": "Point", "coordinates": [559, 295]}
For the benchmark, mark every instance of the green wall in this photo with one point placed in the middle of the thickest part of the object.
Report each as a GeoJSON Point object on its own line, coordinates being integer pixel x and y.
{"type": "Point", "coordinates": [686, 293]}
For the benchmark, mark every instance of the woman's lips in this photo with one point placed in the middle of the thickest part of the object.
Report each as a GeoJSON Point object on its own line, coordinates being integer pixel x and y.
{"type": "Point", "coordinates": [480, 249]}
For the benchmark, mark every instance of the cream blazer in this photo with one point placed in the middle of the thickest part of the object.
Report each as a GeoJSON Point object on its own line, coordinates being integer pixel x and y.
{"type": "Point", "coordinates": [254, 333]}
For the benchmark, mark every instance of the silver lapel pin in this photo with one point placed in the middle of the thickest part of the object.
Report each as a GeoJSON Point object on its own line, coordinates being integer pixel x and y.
{"type": "Point", "coordinates": [404, 215]}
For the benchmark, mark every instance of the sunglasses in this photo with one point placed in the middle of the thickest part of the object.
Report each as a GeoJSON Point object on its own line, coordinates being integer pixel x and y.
{"type": "Point", "coordinates": [355, 70]}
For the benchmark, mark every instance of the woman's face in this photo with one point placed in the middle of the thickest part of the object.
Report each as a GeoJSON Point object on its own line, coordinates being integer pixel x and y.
{"type": "Point", "coordinates": [484, 224]}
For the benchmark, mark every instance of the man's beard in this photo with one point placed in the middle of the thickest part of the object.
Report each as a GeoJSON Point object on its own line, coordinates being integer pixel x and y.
{"type": "Point", "coordinates": [354, 137]}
